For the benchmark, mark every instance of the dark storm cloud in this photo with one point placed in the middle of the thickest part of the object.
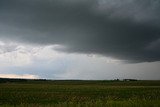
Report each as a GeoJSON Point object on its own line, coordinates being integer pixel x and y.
{"type": "Point", "coordinates": [123, 29]}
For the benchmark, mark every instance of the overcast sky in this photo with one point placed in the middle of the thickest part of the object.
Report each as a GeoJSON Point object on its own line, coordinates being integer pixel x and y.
{"type": "Point", "coordinates": [80, 39]}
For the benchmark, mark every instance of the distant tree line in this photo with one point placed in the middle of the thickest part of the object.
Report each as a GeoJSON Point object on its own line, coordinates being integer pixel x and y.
{"type": "Point", "coordinates": [5, 80]}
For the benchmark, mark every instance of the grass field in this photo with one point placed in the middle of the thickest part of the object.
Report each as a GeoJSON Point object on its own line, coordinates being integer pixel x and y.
{"type": "Point", "coordinates": [80, 94]}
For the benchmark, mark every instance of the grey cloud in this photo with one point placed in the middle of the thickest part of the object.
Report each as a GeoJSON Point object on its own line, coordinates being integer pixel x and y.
{"type": "Point", "coordinates": [7, 48]}
{"type": "Point", "coordinates": [154, 46]}
{"type": "Point", "coordinates": [138, 10]}
{"type": "Point", "coordinates": [121, 29]}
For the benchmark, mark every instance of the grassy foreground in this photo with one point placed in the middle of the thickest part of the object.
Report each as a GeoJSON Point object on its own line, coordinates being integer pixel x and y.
{"type": "Point", "coordinates": [80, 94]}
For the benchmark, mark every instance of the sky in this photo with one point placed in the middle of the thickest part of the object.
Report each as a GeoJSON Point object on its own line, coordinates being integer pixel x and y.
{"type": "Point", "coordinates": [80, 39]}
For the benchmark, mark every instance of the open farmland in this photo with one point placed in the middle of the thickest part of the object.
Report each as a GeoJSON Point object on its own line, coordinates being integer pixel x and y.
{"type": "Point", "coordinates": [32, 93]}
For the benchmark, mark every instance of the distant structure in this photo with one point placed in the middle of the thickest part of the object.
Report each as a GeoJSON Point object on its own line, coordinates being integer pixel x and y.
{"type": "Point", "coordinates": [125, 80]}
{"type": "Point", "coordinates": [116, 80]}
{"type": "Point", "coordinates": [130, 80]}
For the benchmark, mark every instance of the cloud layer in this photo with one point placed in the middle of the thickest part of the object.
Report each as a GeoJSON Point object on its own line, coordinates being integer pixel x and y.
{"type": "Point", "coordinates": [124, 29]}
{"type": "Point", "coordinates": [29, 61]}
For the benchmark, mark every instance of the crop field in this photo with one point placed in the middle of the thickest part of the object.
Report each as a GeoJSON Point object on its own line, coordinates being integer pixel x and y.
{"type": "Point", "coordinates": [76, 93]}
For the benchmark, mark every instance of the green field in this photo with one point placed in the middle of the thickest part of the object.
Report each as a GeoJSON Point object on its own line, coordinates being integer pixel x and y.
{"type": "Point", "coordinates": [80, 94]}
